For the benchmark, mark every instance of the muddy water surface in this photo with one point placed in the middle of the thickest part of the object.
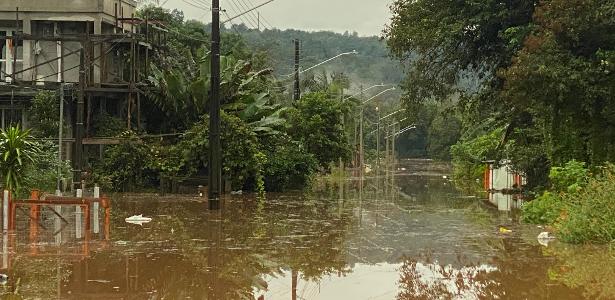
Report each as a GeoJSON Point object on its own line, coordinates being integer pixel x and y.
{"type": "Point", "coordinates": [413, 237]}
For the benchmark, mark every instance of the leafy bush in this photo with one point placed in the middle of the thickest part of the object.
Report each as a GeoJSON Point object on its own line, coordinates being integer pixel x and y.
{"type": "Point", "coordinates": [590, 214]}
{"type": "Point", "coordinates": [468, 156]}
{"type": "Point", "coordinates": [289, 166]}
{"type": "Point", "coordinates": [544, 209]}
{"type": "Point", "coordinates": [44, 114]}
{"type": "Point", "coordinates": [106, 125]}
{"type": "Point", "coordinates": [127, 165]}
{"type": "Point", "coordinates": [43, 173]}
{"type": "Point", "coordinates": [547, 208]}
{"type": "Point", "coordinates": [315, 122]}
{"type": "Point", "coordinates": [581, 208]}
{"type": "Point", "coordinates": [569, 178]}
{"type": "Point", "coordinates": [239, 150]}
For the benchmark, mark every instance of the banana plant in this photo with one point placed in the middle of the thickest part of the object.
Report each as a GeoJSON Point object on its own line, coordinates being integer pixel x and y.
{"type": "Point", "coordinates": [185, 97]}
{"type": "Point", "coordinates": [17, 150]}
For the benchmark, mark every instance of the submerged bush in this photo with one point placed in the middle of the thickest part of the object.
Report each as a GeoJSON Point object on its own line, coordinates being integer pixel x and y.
{"type": "Point", "coordinates": [544, 209]}
{"type": "Point", "coordinates": [569, 178]}
{"type": "Point", "coordinates": [580, 207]}
{"type": "Point", "coordinates": [468, 155]}
{"type": "Point", "coordinates": [127, 165]}
{"type": "Point", "coordinates": [43, 173]}
{"type": "Point", "coordinates": [289, 166]}
{"type": "Point", "coordinates": [590, 214]}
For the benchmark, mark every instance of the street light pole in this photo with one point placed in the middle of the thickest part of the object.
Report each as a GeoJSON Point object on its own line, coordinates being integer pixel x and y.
{"type": "Point", "coordinates": [361, 154]}
{"type": "Point", "coordinates": [362, 116]}
{"type": "Point", "coordinates": [378, 144]}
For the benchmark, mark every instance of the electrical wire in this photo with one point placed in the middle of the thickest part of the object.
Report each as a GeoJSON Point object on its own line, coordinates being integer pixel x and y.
{"type": "Point", "coordinates": [237, 11]}
{"type": "Point", "coordinates": [249, 7]}
{"type": "Point", "coordinates": [197, 5]}
{"type": "Point", "coordinates": [242, 9]}
{"type": "Point", "coordinates": [261, 16]}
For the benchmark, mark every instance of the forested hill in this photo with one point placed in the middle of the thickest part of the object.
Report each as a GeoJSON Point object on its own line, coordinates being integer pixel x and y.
{"type": "Point", "coordinates": [371, 66]}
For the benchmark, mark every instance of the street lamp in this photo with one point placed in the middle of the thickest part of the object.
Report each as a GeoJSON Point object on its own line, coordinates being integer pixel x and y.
{"type": "Point", "coordinates": [362, 151]}
{"type": "Point", "coordinates": [353, 52]}
{"type": "Point", "coordinates": [367, 89]}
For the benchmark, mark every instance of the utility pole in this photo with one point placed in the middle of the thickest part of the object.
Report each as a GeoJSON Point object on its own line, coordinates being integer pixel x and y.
{"type": "Point", "coordinates": [361, 150]}
{"type": "Point", "coordinates": [59, 183]}
{"type": "Point", "coordinates": [378, 145]}
{"type": "Point", "coordinates": [341, 162]}
{"type": "Point", "coordinates": [78, 164]}
{"type": "Point", "coordinates": [297, 93]}
{"type": "Point", "coordinates": [394, 168]}
{"type": "Point", "coordinates": [215, 152]}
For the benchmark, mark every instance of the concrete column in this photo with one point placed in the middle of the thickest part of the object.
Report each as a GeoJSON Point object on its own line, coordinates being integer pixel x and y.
{"type": "Point", "coordinates": [97, 52]}
{"type": "Point", "coordinates": [58, 221]}
{"type": "Point", "coordinates": [9, 60]}
{"type": "Point", "coordinates": [96, 207]}
{"type": "Point", "coordinates": [5, 211]}
{"type": "Point", "coordinates": [78, 213]}
{"type": "Point", "coordinates": [27, 50]}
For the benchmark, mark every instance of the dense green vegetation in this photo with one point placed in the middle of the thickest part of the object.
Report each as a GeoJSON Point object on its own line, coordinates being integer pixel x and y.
{"type": "Point", "coordinates": [268, 142]}
{"type": "Point", "coordinates": [579, 205]}
{"type": "Point", "coordinates": [532, 82]}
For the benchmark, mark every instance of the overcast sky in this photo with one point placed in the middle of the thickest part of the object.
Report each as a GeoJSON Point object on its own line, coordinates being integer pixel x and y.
{"type": "Point", "coordinates": [367, 17]}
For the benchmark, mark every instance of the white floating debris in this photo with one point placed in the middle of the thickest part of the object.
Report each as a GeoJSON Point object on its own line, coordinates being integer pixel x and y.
{"type": "Point", "coordinates": [4, 279]}
{"type": "Point", "coordinates": [237, 192]}
{"type": "Point", "coordinates": [138, 220]}
{"type": "Point", "coordinates": [544, 238]}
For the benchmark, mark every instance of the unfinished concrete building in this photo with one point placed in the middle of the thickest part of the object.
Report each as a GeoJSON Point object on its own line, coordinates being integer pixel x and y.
{"type": "Point", "coordinates": [95, 49]}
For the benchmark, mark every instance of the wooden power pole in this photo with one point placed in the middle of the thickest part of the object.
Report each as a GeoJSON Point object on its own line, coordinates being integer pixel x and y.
{"type": "Point", "coordinates": [297, 89]}
{"type": "Point", "coordinates": [215, 151]}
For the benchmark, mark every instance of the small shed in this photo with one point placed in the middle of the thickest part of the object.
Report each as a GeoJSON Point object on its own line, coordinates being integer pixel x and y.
{"type": "Point", "coordinates": [500, 177]}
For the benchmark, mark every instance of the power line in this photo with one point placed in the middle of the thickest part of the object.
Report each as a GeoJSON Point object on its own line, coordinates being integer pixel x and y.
{"type": "Point", "coordinates": [242, 16]}
{"type": "Point", "coordinates": [197, 5]}
{"type": "Point", "coordinates": [261, 16]}
{"type": "Point", "coordinates": [250, 11]}
{"type": "Point", "coordinates": [244, 10]}
{"type": "Point", "coordinates": [182, 34]}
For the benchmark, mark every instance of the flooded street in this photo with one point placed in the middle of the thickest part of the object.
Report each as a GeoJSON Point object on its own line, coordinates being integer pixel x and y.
{"type": "Point", "coordinates": [414, 237]}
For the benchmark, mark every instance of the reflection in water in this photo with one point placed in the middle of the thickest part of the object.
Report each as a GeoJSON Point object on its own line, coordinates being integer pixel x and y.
{"type": "Point", "coordinates": [343, 240]}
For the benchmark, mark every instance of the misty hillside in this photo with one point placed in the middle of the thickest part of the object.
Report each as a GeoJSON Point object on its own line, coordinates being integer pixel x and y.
{"type": "Point", "coordinates": [371, 66]}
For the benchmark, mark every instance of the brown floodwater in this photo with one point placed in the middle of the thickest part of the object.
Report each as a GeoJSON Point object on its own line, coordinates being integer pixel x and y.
{"type": "Point", "coordinates": [416, 236]}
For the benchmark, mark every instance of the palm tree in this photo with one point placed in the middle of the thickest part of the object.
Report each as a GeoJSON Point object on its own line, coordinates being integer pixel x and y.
{"type": "Point", "coordinates": [16, 151]}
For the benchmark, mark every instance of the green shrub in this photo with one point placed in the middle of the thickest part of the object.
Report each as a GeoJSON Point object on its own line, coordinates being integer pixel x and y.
{"type": "Point", "coordinates": [126, 166]}
{"type": "Point", "coordinates": [44, 114]}
{"type": "Point", "coordinates": [106, 125]}
{"type": "Point", "coordinates": [569, 178]}
{"type": "Point", "coordinates": [544, 209]}
{"type": "Point", "coordinates": [239, 150]}
{"type": "Point", "coordinates": [289, 166]}
{"type": "Point", "coordinates": [468, 155]}
{"type": "Point", "coordinates": [315, 122]}
{"type": "Point", "coordinates": [43, 173]}
{"type": "Point", "coordinates": [565, 181]}
{"type": "Point", "coordinates": [590, 215]}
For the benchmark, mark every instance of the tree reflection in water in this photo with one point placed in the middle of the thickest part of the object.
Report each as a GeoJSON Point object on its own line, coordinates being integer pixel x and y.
{"type": "Point", "coordinates": [430, 280]}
